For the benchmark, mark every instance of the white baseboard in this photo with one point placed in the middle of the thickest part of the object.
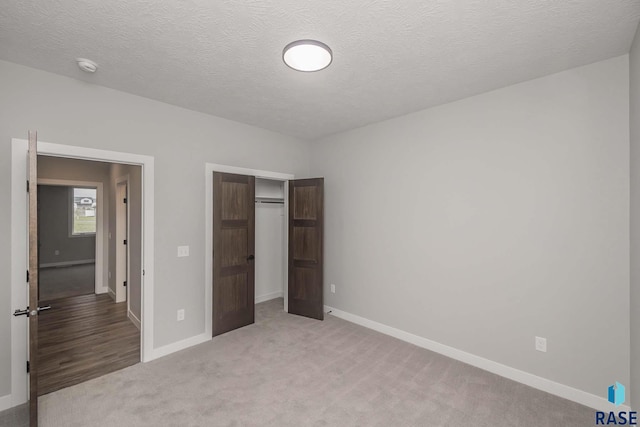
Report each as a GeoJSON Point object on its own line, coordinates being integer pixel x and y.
{"type": "Point", "coordinates": [5, 402]}
{"type": "Point", "coordinates": [552, 387]}
{"type": "Point", "coordinates": [68, 263]}
{"type": "Point", "coordinates": [134, 319]}
{"type": "Point", "coordinates": [180, 345]}
{"type": "Point", "coordinates": [102, 291]}
{"type": "Point", "coordinates": [111, 293]}
{"type": "Point", "coordinates": [268, 297]}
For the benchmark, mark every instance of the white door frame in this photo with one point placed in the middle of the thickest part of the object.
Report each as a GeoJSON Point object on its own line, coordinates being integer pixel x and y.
{"type": "Point", "coordinates": [19, 235]}
{"type": "Point", "coordinates": [102, 226]}
{"type": "Point", "coordinates": [208, 253]}
{"type": "Point", "coordinates": [127, 273]}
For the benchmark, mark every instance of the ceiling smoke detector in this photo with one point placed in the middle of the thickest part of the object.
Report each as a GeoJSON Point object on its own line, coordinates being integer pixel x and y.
{"type": "Point", "coordinates": [87, 65]}
{"type": "Point", "coordinates": [307, 55]}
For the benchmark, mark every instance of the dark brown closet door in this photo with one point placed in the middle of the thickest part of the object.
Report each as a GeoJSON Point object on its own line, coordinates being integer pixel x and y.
{"type": "Point", "coordinates": [306, 224]}
{"type": "Point", "coordinates": [233, 251]}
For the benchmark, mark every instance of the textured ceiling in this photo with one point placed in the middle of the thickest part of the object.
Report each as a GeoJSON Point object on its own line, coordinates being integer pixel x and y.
{"type": "Point", "coordinates": [390, 57]}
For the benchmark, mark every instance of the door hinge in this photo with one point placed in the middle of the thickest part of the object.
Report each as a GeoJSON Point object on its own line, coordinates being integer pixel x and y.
{"type": "Point", "coordinates": [27, 276]}
{"type": "Point", "coordinates": [125, 242]}
{"type": "Point", "coordinates": [124, 200]}
{"type": "Point", "coordinates": [28, 367]}
{"type": "Point", "coordinates": [27, 186]}
{"type": "Point", "coordinates": [125, 283]}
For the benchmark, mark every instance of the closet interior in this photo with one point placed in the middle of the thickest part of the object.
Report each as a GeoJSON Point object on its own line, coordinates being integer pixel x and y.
{"type": "Point", "coordinates": [269, 239]}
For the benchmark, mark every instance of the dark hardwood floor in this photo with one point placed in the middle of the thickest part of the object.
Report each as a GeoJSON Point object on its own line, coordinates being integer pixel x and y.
{"type": "Point", "coordinates": [84, 337]}
{"type": "Point", "coordinates": [63, 282]}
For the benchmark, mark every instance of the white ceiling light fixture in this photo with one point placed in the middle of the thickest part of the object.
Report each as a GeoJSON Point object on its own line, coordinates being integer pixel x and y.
{"type": "Point", "coordinates": [87, 65]}
{"type": "Point", "coordinates": [307, 55]}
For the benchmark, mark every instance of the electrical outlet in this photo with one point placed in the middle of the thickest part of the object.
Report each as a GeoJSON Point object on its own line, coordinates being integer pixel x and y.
{"type": "Point", "coordinates": [183, 251]}
{"type": "Point", "coordinates": [109, 275]}
{"type": "Point", "coordinates": [541, 344]}
{"type": "Point", "coordinates": [181, 315]}
{"type": "Point", "coordinates": [56, 252]}
{"type": "Point", "coordinates": [333, 288]}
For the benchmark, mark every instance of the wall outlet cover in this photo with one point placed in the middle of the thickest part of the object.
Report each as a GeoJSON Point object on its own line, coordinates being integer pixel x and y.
{"type": "Point", "coordinates": [183, 251]}
{"type": "Point", "coordinates": [541, 344]}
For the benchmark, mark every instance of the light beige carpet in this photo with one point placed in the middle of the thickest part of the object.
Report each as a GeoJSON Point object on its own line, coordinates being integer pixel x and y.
{"type": "Point", "coordinates": [291, 371]}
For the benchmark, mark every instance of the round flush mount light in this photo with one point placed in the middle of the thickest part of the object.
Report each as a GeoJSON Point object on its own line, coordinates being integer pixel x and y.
{"type": "Point", "coordinates": [87, 65]}
{"type": "Point", "coordinates": [307, 55]}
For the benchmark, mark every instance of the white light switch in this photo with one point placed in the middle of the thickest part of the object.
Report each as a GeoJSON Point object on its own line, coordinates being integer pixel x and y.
{"type": "Point", "coordinates": [183, 251]}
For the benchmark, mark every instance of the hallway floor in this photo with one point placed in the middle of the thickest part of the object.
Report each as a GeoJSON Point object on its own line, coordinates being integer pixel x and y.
{"type": "Point", "coordinates": [63, 282]}
{"type": "Point", "coordinates": [84, 337]}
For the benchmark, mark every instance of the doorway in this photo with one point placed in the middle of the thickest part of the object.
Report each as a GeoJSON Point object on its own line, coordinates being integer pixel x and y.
{"type": "Point", "coordinates": [19, 342]}
{"type": "Point", "coordinates": [232, 221]}
{"type": "Point", "coordinates": [270, 240]}
{"type": "Point", "coordinates": [87, 331]}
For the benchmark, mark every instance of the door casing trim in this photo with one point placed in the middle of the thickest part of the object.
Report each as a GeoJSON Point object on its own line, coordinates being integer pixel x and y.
{"type": "Point", "coordinates": [120, 181]}
{"type": "Point", "coordinates": [19, 252]}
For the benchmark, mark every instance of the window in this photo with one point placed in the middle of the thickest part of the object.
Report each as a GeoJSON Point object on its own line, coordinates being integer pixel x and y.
{"type": "Point", "coordinates": [83, 207]}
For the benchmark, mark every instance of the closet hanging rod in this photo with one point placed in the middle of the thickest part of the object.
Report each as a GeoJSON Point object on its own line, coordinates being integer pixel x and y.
{"type": "Point", "coordinates": [271, 201]}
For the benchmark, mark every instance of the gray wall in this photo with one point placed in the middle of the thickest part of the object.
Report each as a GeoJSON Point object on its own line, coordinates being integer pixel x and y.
{"type": "Point", "coordinates": [54, 205]}
{"type": "Point", "coordinates": [73, 169]}
{"type": "Point", "coordinates": [485, 222]}
{"type": "Point", "coordinates": [635, 219]}
{"type": "Point", "coordinates": [134, 201]}
{"type": "Point", "coordinates": [72, 112]}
